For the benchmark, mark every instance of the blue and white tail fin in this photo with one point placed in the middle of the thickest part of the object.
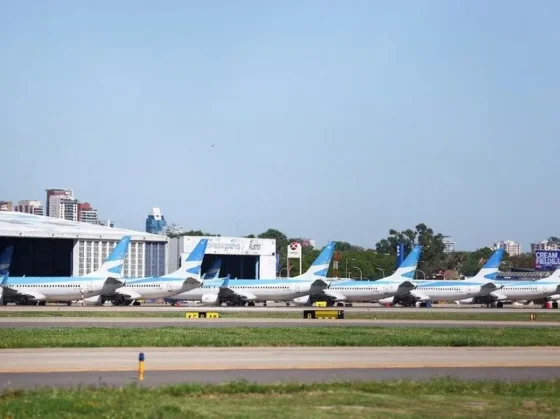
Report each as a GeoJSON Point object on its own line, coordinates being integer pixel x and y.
{"type": "Point", "coordinates": [214, 271]}
{"type": "Point", "coordinates": [191, 266]}
{"type": "Point", "coordinates": [320, 267]}
{"type": "Point", "coordinates": [407, 268]}
{"type": "Point", "coordinates": [6, 260]}
{"type": "Point", "coordinates": [113, 265]}
{"type": "Point", "coordinates": [490, 269]}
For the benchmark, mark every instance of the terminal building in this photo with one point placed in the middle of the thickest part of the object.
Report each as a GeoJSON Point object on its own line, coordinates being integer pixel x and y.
{"type": "Point", "coordinates": [48, 246]}
{"type": "Point", "coordinates": [243, 258]}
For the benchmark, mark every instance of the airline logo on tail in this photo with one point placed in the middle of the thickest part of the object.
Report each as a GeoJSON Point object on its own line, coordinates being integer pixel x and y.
{"type": "Point", "coordinates": [113, 266]}
{"type": "Point", "coordinates": [192, 264]}
{"type": "Point", "coordinates": [6, 260]}
{"type": "Point", "coordinates": [408, 267]}
{"type": "Point", "coordinates": [321, 265]}
{"type": "Point", "coordinates": [490, 269]}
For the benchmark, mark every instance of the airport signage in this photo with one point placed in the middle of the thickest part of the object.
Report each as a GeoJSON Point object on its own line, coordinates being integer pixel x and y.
{"type": "Point", "coordinates": [547, 260]}
{"type": "Point", "coordinates": [233, 246]}
{"type": "Point", "coordinates": [294, 250]}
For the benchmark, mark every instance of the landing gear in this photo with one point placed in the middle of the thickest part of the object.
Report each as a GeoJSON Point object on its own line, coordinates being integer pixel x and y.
{"type": "Point", "coordinates": [499, 304]}
{"type": "Point", "coordinates": [555, 304]}
{"type": "Point", "coordinates": [251, 304]}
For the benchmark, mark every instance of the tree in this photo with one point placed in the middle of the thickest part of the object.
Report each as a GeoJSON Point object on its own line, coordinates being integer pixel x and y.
{"type": "Point", "coordinates": [433, 256]}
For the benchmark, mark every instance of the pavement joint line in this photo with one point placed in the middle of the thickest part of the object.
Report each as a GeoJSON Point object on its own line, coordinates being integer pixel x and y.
{"type": "Point", "coordinates": [283, 367]}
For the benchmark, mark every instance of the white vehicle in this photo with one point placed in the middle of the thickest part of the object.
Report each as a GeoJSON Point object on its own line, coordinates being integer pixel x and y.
{"type": "Point", "coordinates": [28, 290]}
{"type": "Point", "coordinates": [184, 279]}
{"type": "Point", "coordinates": [249, 291]}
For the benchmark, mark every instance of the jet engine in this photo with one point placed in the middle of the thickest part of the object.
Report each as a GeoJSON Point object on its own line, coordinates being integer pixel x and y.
{"type": "Point", "coordinates": [209, 299]}
{"type": "Point", "coordinates": [96, 300]}
{"type": "Point", "coordinates": [303, 301]}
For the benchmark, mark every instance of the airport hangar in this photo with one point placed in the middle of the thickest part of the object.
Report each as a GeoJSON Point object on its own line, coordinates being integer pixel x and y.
{"type": "Point", "coordinates": [243, 258]}
{"type": "Point", "coordinates": [48, 246]}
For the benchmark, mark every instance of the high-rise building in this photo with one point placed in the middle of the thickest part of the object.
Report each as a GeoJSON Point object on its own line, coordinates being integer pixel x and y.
{"type": "Point", "coordinates": [509, 246]}
{"type": "Point", "coordinates": [87, 214]}
{"type": "Point", "coordinates": [6, 206]}
{"type": "Point", "coordinates": [62, 207]}
{"type": "Point", "coordinates": [66, 193]}
{"type": "Point", "coordinates": [449, 244]}
{"type": "Point", "coordinates": [544, 245]}
{"type": "Point", "coordinates": [30, 207]}
{"type": "Point", "coordinates": [155, 222]}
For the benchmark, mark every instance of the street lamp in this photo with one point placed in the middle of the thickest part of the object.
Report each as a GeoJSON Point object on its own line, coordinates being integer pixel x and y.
{"type": "Point", "coordinates": [361, 276]}
{"type": "Point", "coordinates": [423, 273]}
{"type": "Point", "coordinates": [283, 269]}
{"type": "Point", "coordinates": [347, 266]}
{"type": "Point", "coordinates": [382, 271]}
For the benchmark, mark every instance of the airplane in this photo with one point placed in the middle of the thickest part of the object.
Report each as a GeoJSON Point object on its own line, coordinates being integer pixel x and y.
{"type": "Point", "coordinates": [396, 285]}
{"type": "Point", "coordinates": [540, 292]}
{"type": "Point", "coordinates": [39, 290]}
{"type": "Point", "coordinates": [183, 279]}
{"type": "Point", "coordinates": [250, 291]}
{"type": "Point", "coordinates": [450, 290]}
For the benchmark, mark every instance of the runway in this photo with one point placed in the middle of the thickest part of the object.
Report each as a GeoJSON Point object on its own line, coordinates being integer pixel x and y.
{"type": "Point", "coordinates": [139, 322]}
{"type": "Point", "coordinates": [117, 366]}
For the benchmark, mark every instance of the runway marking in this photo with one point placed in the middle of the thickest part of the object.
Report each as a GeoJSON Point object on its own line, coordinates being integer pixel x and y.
{"type": "Point", "coordinates": [284, 367]}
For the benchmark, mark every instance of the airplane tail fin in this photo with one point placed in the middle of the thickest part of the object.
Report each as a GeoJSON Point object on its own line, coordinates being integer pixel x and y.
{"type": "Point", "coordinates": [113, 265]}
{"type": "Point", "coordinates": [191, 266]}
{"type": "Point", "coordinates": [320, 267]}
{"type": "Point", "coordinates": [214, 271]}
{"type": "Point", "coordinates": [6, 260]}
{"type": "Point", "coordinates": [490, 269]}
{"type": "Point", "coordinates": [408, 266]}
{"type": "Point", "coordinates": [554, 277]}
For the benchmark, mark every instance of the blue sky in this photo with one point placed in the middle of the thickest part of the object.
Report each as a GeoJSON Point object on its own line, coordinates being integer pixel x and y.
{"type": "Point", "coordinates": [333, 120]}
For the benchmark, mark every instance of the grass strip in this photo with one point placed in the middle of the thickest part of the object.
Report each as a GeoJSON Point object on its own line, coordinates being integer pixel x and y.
{"type": "Point", "coordinates": [95, 337]}
{"type": "Point", "coordinates": [388, 315]}
{"type": "Point", "coordinates": [437, 398]}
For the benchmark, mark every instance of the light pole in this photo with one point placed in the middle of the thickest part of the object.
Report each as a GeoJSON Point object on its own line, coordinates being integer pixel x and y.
{"type": "Point", "coordinates": [423, 273]}
{"type": "Point", "coordinates": [361, 276]}
{"type": "Point", "coordinates": [347, 266]}
{"type": "Point", "coordinates": [382, 271]}
{"type": "Point", "coordinates": [283, 269]}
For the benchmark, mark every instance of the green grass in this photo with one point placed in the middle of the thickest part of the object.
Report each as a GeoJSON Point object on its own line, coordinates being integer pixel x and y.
{"type": "Point", "coordinates": [94, 337]}
{"type": "Point", "coordinates": [439, 398]}
{"type": "Point", "coordinates": [492, 315]}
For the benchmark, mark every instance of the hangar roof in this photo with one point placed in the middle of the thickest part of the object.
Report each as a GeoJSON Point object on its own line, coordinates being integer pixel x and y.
{"type": "Point", "coordinates": [19, 224]}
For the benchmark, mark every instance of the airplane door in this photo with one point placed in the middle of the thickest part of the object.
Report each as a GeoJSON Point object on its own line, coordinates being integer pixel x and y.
{"type": "Point", "coordinates": [297, 288]}
{"type": "Point", "coordinates": [468, 290]}
{"type": "Point", "coordinates": [90, 286]}
{"type": "Point", "coordinates": [169, 287]}
{"type": "Point", "coordinates": [385, 290]}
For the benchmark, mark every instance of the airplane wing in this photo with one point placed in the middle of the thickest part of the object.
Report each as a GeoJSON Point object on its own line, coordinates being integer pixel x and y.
{"type": "Point", "coordinates": [318, 286]}
{"type": "Point", "coordinates": [190, 284]}
{"type": "Point", "coordinates": [499, 296]}
{"type": "Point", "coordinates": [23, 292]}
{"type": "Point", "coordinates": [404, 288]}
{"type": "Point", "coordinates": [419, 296]}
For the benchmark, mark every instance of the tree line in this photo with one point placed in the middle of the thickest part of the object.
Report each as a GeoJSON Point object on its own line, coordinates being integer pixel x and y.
{"type": "Point", "coordinates": [359, 262]}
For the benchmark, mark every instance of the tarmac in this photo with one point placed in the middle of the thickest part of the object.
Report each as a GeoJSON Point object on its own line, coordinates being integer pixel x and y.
{"type": "Point", "coordinates": [24, 368]}
{"type": "Point", "coordinates": [281, 308]}
{"type": "Point", "coordinates": [142, 322]}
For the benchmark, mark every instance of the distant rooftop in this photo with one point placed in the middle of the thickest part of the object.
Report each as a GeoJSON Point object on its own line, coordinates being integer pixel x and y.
{"type": "Point", "coordinates": [19, 224]}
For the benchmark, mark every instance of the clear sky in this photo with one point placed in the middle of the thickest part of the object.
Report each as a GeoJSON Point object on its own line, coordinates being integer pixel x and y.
{"type": "Point", "coordinates": [333, 120]}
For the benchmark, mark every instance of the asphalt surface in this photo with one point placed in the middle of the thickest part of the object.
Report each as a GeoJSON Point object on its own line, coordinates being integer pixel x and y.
{"type": "Point", "coordinates": [155, 378]}
{"type": "Point", "coordinates": [139, 322]}
{"type": "Point", "coordinates": [117, 366]}
{"type": "Point", "coordinates": [281, 308]}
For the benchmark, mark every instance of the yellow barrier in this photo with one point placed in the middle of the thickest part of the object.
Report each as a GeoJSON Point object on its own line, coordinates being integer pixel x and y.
{"type": "Point", "coordinates": [532, 317]}
{"type": "Point", "coordinates": [320, 303]}
{"type": "Point", "coordinates": [202, 315]}
{"type": "Point", "coordinates": [323, 314]}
